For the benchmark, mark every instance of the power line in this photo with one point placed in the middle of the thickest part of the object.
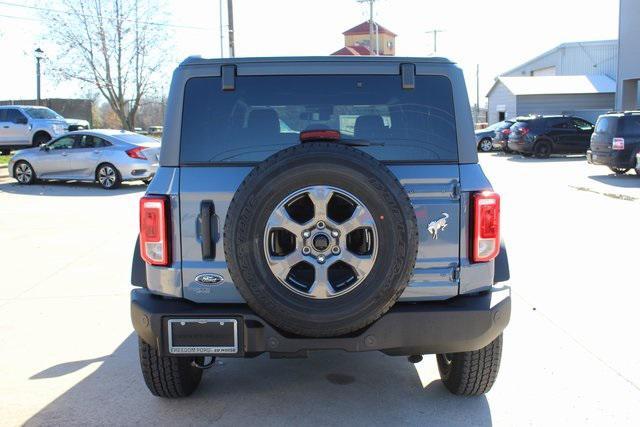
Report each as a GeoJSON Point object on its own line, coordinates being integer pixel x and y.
{"type": "Point", "coordinates": [46, 9]}
{"type": "Point", "coordinates": [20, 17]}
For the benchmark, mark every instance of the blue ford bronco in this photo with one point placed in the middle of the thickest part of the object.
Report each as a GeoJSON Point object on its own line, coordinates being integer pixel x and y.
{"type": "Point", "coordinates": [321, 203]}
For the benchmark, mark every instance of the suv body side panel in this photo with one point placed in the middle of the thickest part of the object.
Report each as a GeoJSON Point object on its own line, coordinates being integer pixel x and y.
{"type": "Point", "coordinates": [433, 191]}
{"type": "Point", "coordinates": [167, 280]}
{"type": "Point", "coordinates": [474, 277]}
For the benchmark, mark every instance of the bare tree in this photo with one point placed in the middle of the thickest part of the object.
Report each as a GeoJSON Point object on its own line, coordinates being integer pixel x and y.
{"type": "Point", "coordinates": [116, 46]}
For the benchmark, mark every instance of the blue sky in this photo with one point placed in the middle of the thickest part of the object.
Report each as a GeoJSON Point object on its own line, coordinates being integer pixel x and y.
{"type": "Point", "coordinates": [497, 34]}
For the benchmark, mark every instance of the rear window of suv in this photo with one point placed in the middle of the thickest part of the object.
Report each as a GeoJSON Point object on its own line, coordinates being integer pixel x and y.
{"type": "Point", "coordinates": [606, 125]}
{"type": "Point", "coordinates": [629, 125]}
{"type": "Point", "coordinates": [265, 114]}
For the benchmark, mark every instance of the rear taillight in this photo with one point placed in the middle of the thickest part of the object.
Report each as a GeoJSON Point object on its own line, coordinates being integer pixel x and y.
{"type": "Point", "coordinates": [136, 153]}
{"type": "Point", "coordinates": [154, 230]}
{"type": "Point", "coordinates": [506, 131]}
{"type": "Point", "coordinates": [617, 144]}
{"type": "Point", "coordinates": [486, 226]}
{"type": "Point", "coordinates": [524, 131]}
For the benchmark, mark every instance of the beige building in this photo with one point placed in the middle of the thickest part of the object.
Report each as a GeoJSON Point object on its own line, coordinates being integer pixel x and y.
{"type": "Point", "coordinates": [356, 41]}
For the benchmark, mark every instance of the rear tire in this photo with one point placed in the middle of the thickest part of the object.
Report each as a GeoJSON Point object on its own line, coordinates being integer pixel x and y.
{"type": "Point", "coordinates": [24, 173]}
{"type": "Point", "coordinates": [542, 150]}
{"type": "Point", "coordinates": [168, 376]}
{"type": "Point", "coordinates": [108, 176]}
{"type": "Point", "coordinates": [471, 373]}
{"type": "Point", "coordinates": [619, 171]}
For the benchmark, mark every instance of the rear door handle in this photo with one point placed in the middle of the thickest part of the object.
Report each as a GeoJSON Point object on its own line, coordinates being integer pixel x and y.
{"type": "Point", "coordinates": [207, 229]}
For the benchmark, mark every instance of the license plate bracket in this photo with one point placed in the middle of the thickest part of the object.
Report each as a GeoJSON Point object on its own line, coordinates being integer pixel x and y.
{"type": "Point", "coordinates": [202, 336]}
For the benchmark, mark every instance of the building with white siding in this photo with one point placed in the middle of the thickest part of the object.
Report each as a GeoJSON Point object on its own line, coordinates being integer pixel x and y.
{"type": "Point", "coordinates": [573, 78]}
{"type": "Point", "coordinates": [628, 95]}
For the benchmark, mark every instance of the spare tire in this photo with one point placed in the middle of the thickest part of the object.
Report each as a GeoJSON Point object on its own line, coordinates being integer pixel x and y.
{"type": "Point", "coordinates": [320, 239]}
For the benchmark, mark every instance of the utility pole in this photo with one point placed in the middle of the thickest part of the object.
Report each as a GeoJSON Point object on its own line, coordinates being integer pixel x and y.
{"type": "Point", "coordinates": [221, 32]}
{"type": "Point", "coordinates": [232, 53]}
{"type": "Point", "coordinates": [370, 24]}
{"type": "Point", "coordinates": [477, 93]}
{"type": "Point", "coordinates": [435, 39]}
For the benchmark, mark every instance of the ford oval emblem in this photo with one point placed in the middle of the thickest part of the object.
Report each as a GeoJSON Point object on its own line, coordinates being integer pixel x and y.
{"type": "Point", "coordinates": [209, 279]}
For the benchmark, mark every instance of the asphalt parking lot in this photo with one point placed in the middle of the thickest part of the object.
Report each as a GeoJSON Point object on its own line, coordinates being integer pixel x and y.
{"type": "Point", "coordinates": [571, 351]}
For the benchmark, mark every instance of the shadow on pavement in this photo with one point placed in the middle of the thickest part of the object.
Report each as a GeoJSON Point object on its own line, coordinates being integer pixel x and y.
{"type": "Point", "coordinates": [553, 159]}
{"type": "Point", "coordinates": [328, 388]}
{"type": "Point", "coordinates": [67, 189]}
{"type": "Point", "coordinates": [629, 180]}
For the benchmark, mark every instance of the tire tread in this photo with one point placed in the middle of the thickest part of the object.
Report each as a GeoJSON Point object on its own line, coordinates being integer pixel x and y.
{"type": "Point", "coordinates": [472, 373]}
{"type": "Point", "coordinates": [167, 376]}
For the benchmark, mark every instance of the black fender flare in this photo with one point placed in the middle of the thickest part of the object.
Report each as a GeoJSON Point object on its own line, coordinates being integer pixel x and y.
{"type": "Point", "coordinates": [138, 267]}
{"type": "Point", "coordinates": [501, 265]}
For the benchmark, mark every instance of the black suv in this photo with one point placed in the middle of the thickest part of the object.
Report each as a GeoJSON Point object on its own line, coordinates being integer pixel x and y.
{"type": "Point", "coordinates": [616, 141]}
{"type": "Point", "coordinates": [545, 135]}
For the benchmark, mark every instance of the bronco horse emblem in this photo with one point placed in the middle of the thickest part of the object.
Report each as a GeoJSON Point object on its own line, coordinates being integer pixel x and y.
{"type": "Point", "coordinates": [438, 225]}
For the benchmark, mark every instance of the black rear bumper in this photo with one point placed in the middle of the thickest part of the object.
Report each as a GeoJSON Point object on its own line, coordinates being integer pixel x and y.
{"type": "Point", "coordinates": [614, 159]}
{"type": "Point", "coordinates": [464, 323]}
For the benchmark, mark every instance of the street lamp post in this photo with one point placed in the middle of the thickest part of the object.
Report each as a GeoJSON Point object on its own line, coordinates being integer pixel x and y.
{"type": "Point", "coordinates": [39, 53]}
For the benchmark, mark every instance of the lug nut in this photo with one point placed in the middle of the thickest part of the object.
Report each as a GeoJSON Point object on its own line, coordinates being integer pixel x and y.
{"type": "Point", "coordinates": [335, 250]}
{"type": "Point", "coordinates": [320, 225]}
{"type": "Point", "coordinates": [335, 233]}
{"type": "Point", "coordinates": [306, 234]}
{"type": "Point", "coordinates": [306, 250]}
{"type": "Point", "coordinates": [321, 259]}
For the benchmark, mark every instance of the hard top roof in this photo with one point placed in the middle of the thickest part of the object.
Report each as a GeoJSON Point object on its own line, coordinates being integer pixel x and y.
{"type": "Point", "coordinates": [198, 60]}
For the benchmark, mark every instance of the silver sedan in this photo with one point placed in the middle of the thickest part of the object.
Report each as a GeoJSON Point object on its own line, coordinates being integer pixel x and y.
{"type": "Point", "coordinates": [103, 155]}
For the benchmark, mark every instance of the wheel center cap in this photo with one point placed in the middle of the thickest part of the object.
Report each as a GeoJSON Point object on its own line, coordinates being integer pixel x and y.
{"type": "Point", "coordinates": [321, 242]}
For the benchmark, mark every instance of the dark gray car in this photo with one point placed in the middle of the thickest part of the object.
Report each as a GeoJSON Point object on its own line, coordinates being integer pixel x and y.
{"type": "Point", "coordinates": [306, 204]}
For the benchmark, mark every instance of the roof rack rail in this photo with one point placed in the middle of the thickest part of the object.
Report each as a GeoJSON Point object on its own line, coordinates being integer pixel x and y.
{"type": "Point", "coordinates": [625, 112]}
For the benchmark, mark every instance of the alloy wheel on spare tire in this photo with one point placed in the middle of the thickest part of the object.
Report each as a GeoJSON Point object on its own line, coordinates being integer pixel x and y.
{"type": "Point", "coordinates": [321, 239]}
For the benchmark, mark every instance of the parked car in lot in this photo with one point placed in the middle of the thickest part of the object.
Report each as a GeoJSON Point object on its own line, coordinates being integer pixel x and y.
{"type": "Point", "coordinates": [616, 142]}
{"type": "Point", "coordinates": [103, 155]}
{"type": "Point", "coordinates": [484, 137]}
{"type": "Point", "coordinates": [361, 225]}
{"type": "Point", "coordinates": [542, 136]}
{"type": "Point", "coordinates": [501, 135]}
